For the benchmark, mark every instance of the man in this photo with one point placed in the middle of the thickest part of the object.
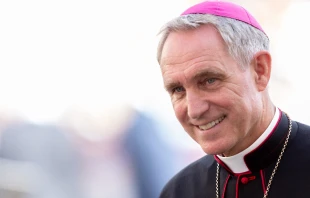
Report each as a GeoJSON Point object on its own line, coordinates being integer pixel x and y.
{"type": "Point", "coordinates": [216, 67]}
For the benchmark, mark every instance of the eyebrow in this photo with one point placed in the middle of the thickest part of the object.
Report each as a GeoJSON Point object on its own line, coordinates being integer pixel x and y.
{"type": "Point", "coordinates": [208, 73]}
{"type": "Point", "coordinates": [170, 85]}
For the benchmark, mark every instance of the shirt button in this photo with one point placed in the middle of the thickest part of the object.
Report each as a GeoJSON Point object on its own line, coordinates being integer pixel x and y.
{"type": "Point", "coordinates": [244, 180]}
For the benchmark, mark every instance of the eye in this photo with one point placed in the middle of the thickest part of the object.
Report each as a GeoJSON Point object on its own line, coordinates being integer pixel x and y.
{"type": "Point", "coordinates": [210, 80]}
{"type": "Point", "coordinates": [178, 89]}
{"type": "Point", "coordinates": [209, 83]}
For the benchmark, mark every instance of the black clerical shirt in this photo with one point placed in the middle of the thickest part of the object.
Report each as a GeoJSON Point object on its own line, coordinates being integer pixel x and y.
{"type": "Point", "coordinates": [292, 178]}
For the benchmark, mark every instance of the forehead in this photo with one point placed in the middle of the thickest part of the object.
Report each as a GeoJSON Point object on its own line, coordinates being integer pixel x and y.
{"type": "Point", "coordinates": [180, 46]}
{"type": "Point", "coordinates": [194, 50]}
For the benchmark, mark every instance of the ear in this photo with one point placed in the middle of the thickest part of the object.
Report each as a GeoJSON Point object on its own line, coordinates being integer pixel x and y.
{"type": "Point", "coordinates": [261, 65]}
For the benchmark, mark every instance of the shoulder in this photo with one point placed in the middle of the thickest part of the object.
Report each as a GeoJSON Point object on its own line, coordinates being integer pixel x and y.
{"type": "Point", "coordinates": [300, 140]}
{"type": "Point", "coordinates": [197, 167]}
{"type": "Point", "coordinates": [303, 132]}
{"type": "Point", "coordinates": [303, 127]}
{"type": "Point", "coordinates": [189, 179]}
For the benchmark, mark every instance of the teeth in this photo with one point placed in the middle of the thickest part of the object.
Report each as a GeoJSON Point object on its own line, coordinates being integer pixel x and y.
{"type": "Point", "coordinates": [211, 124]}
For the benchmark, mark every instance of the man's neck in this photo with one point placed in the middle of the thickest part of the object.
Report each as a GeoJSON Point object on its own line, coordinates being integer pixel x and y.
{"type": "Point", "coordinates": [236, 162]}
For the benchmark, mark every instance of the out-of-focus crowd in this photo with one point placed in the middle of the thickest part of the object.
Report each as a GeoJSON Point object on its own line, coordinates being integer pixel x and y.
{"type": "Point", "coordinates": [115, 153]}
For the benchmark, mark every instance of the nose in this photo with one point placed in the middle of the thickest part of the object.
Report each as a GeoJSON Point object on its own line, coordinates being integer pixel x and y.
{"type": "Point", "coordinates": [197, 105]}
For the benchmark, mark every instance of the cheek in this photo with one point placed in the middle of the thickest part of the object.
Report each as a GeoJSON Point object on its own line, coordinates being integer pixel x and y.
{"type": "Point", "coordinates": [180, 111]}
{"type": "Point", "coordinates": [235, 96]}
{"type": "Point", "coordinates": [225, 99]}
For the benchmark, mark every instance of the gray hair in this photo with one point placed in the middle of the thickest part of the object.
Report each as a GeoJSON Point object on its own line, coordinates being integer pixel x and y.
{"type": "Point", "coordinates": [242, 39]}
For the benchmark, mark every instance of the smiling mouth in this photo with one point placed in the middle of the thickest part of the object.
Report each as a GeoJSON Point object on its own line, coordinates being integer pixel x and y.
{"type": "Point", "coordinates": [211, 124]}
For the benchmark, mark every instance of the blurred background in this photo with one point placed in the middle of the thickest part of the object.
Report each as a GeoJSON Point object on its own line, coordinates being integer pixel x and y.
{"type": "Point", "coordinates": [83, 112]}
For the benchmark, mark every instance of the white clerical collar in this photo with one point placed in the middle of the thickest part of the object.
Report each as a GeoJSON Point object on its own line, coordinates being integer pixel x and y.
{"type": "Point", "coordinates": [236, 162]}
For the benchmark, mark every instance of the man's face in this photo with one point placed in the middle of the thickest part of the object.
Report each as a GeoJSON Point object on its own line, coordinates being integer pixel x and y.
{"type": "Point", "coordinates": [216, 101]}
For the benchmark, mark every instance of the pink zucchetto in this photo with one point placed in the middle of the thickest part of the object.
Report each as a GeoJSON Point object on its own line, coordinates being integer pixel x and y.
{"type": "Point", "coordinates": [224, 9]}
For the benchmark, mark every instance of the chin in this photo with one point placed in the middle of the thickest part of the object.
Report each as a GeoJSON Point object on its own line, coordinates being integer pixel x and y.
{"type": "Point", "coordinates": [211, 151]}
{"type": "Point", "coordinates": [215, 149]}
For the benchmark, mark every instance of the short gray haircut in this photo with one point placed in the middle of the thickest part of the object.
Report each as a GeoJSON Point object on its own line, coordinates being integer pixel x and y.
{"type": "Point", "coordinates": [243, 41]}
